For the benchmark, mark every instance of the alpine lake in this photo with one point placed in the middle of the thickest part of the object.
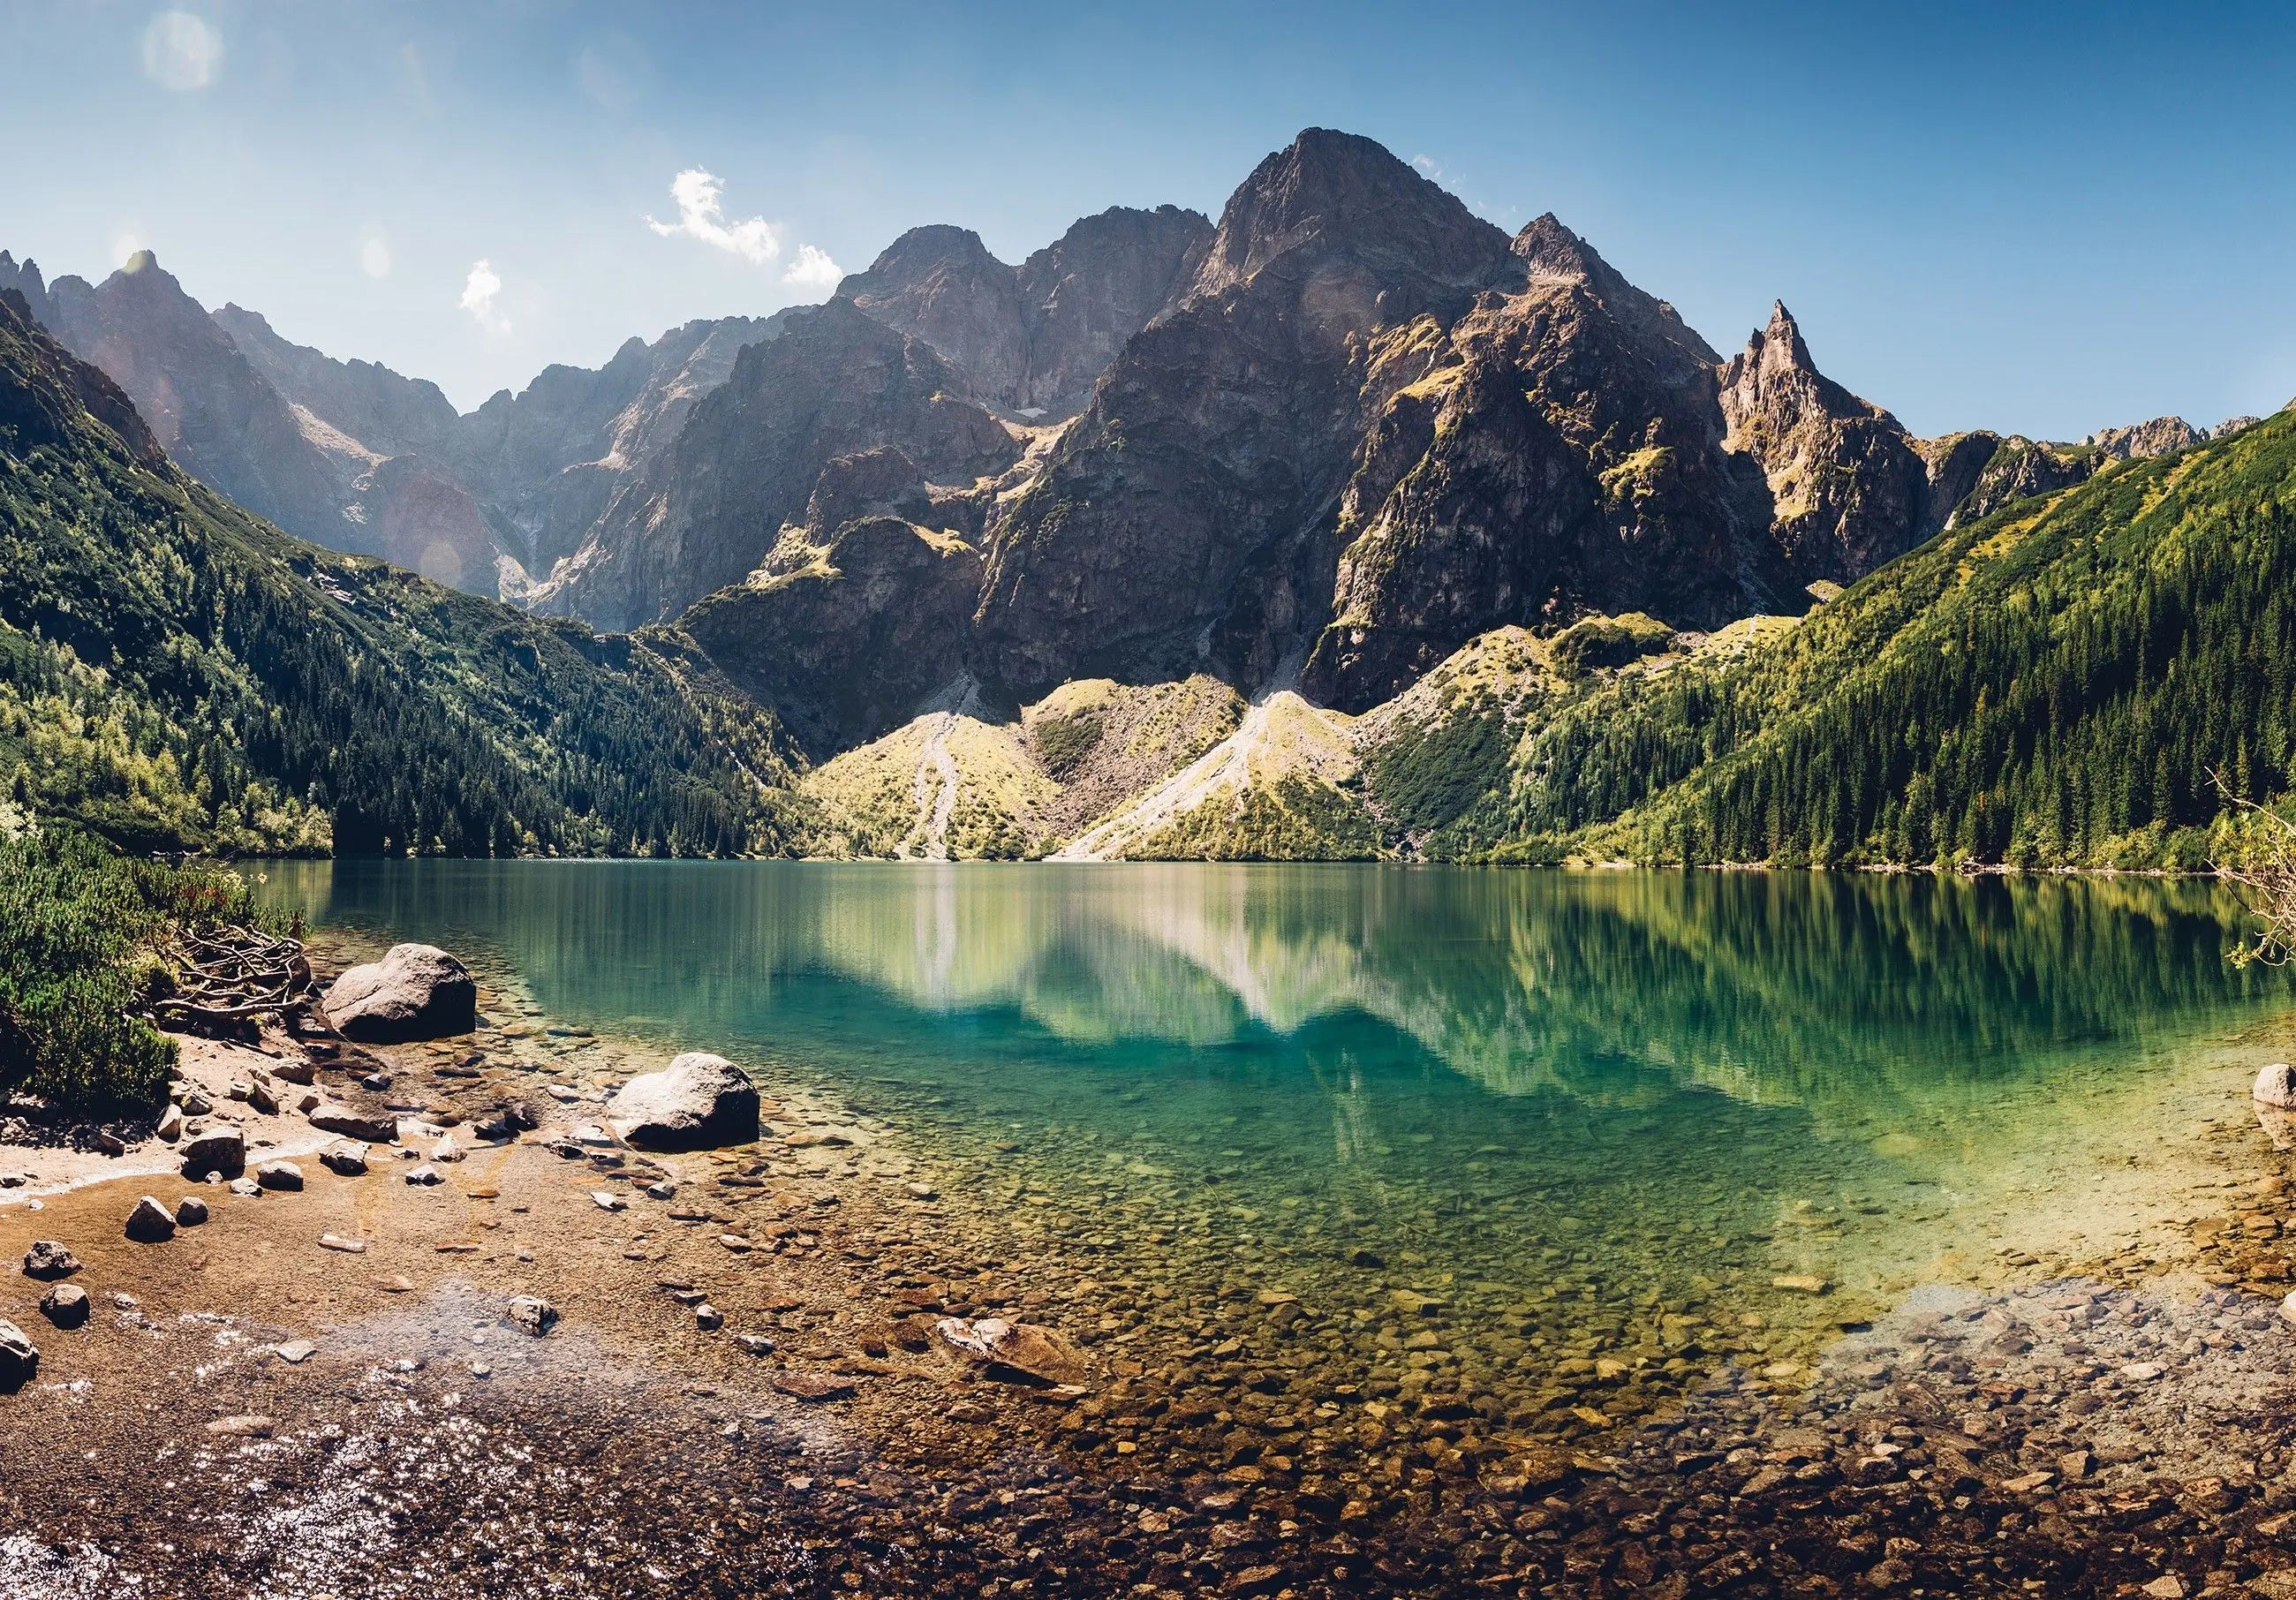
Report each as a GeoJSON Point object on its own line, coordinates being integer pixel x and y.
{"type": "Point", "coordinates": [1536, 1150]}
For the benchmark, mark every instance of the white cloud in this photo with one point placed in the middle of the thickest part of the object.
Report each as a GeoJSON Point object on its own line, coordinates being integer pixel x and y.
{"type": "Point", "coordinates": [181, 52]}
{"type": "Point", "coordinates": [813, 269]}
{"type": "Point", "coordinates": [701, 216]}
{"type": "Point", "coordinates": [479, 292]}
{"type": "Point", "coordinates": [375, 256]}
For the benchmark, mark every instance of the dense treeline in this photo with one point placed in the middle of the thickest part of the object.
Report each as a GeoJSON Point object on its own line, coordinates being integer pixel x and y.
{"type": "Point", "coordinates": [2054, 685]}
{"type": "Point", "coordinates": [176, 673]}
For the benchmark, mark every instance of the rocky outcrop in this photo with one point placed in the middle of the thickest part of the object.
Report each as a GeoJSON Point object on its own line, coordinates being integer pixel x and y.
{"type": "Point", "coordinates": [835, 383]}
{"type": "Point", "coordinates": [1849, 489]}
{"type": "Point", "coordinates": [856, 619]}
{"type": "Point", "coordinates": [2163, 436]}
{"type": "Point", "coordinates": [698, 1101]}
{"type": "Point", "coordinates": [414, 992]}
{"type": "Point", "coordinates": [1031, 340]}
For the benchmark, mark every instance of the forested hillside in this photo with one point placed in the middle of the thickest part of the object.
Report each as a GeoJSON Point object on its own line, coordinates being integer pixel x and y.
{"type": "Point", "coordinates": [2055, 684]}
{"type": "Point", "coordinates": [177, 674]}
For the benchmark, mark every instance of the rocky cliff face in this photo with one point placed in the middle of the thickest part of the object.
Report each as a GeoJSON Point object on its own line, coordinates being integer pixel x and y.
{"type": "Point", "coordinates": [1173, 529]}
{"type": "Point", "coordinates": [1847, 487]}
{"type": "Point", "coordinates": [712, 505]}
{"type": "Point", "coordinates": [1031, 340]}
{"type": "Point", "coordinates": [389, 415]}
{"type": "Point", "coordinates": [857, 616]}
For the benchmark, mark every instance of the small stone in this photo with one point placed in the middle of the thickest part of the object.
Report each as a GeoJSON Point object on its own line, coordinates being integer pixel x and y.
{"type": "Point", "coordinates": [190, 1211]}
{"type": "Point", "coordinates": [916, 1191]}
{"type": "Point", "coordinates": [349, 1247]}
{"type": "Point", "coordinates": [246, 1188]}
{"type": "Point", "coordinates": [48, 1260]}
{"type": "Point", "coordinates": [345, 1160]}
{"type": "Point", "coordinates": [479, 1369]}
{"type": "Point", "coordinates": [2168, 1586]}
{"type": "Point", "coordinates": [530, 1314]}
{"type": "Point", "coordinates": [295, 1352]}
{"type": "Point", "coordinates": [446, 1150]}
{"type": "Point", "coordinates": [814, 1386]}
{"type": "Point", "coordinates": [1800, 1282]}
{"type": "Point", "coordinates": [247, 1426]}
{"type": "Point", "coordinates": [2142, 1372]}
{"type": "Point", "coordinates": [170, 1126]}
{"type": "Point", "coordinates": [280, 1175]}
{"type": "Point", "coordinates": [708, 1318]}
{"type": "Point", "coordinates": [754, 1344]}
{"type": "Point", "coordinates": [608, 1202]}
{"type": "Point", "coordinates": [65, 1305]}
{"type": "Point", "coordinates": [2029, 1482]}
{"type": "Point", "coordinates": [424, 1176]}
{"type": "Point", "coordinates": [260, 1096]}
{"type": "Point", "coordinates": [150, 1222]}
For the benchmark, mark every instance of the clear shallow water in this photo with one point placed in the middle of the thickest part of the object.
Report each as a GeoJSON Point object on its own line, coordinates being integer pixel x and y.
{"type": "Point", "coordinates": [1594, 1114]}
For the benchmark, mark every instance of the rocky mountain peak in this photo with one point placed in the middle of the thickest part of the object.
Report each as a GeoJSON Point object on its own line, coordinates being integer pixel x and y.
{"type": "Point", "coordinates": [1779, 348]}
{"type": "Point", "coordinates": [1336, 195]}
{"type": "Point", "coordinates": [2161, 436]}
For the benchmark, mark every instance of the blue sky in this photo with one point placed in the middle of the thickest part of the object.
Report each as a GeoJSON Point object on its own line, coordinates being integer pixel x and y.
{"type": "Point", "coordinates": [2046, 220]}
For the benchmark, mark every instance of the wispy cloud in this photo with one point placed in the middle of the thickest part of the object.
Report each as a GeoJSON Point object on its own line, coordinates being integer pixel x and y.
{"type": "Point", "coordinates": [182, 51]}
{"type": "Point", "coordinates": [479, 291]}
{"type": "Point", "coordinates": [701, 215]}
{"type": "Point", "coordinates": [813, 269]}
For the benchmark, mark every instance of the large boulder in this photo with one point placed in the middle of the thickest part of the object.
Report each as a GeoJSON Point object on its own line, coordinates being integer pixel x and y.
{"type": "Point", "coordinates": [697, 1101]}
{"type": "Point", "coordinates": [414, 992]}
{"type": "Point", "coordinates": [217, 1148]}
{"type": "Point", "coordinates": [20, 1357]}
{"type": "Point", "coordinates": [150, 1223]}
{"type": "Point", "coordinates": [2275, 1085]}
{"type": "Point", "coordinates": [367, 1128]}
{"type": "Point", "coordinates": [49, 1260]}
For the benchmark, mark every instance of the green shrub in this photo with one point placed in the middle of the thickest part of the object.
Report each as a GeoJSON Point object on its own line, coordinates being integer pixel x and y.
{"type": "Point", "coordinates": [79, 924]}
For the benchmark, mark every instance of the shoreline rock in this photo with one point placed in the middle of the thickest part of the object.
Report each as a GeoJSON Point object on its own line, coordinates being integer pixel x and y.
{"type": "Point", "coordinates": [697, 1101]}
{"type": "Point", "coordinates": [414, 992]}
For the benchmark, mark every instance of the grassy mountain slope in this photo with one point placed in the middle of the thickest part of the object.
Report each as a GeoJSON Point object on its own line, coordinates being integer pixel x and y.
{"type": "Point", "coordinates": [2052, 685]}
{"type": "Point", "coordinates": [175, 673]}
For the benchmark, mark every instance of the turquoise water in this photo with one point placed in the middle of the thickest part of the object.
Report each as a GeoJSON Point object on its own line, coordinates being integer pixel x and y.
{"type": "Point", "coordinates": [1587, 1111]}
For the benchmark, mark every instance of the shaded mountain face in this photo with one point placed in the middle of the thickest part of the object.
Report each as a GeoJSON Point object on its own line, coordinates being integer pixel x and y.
{"type": "Point", "coordinates": [747, 462]}
{"type": "Point", "coordinates": [1173, 529]}
{"type": "Point", "coordinates": [203, 401]}
{"type": "Point", "coordinates": [1031, 340]}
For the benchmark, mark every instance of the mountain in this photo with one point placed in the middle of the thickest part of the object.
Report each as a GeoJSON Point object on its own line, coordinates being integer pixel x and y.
{"type": "Point", "coordinates": [1031, 340]}
{"type": "Point", "coordinates": [711, 507]}
{"type": "Point", "coordinates": [2056, 684]}
{"type": "Point", "coordinates": [176, 673]}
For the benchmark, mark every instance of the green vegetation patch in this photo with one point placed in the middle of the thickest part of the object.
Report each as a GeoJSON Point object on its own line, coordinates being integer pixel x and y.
{"type": "Point", "coordinates": [81, 927]}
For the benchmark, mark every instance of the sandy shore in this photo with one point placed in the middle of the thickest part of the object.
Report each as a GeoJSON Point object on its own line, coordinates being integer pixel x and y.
{"type": "Point", "coordinates": [2104, 1426]}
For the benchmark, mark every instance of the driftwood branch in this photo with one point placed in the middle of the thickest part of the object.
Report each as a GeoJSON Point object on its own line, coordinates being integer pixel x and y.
{"type": "Point", "coordinates": [226, 977]}
{"type": "Point", "coordinates": [2265, 879]}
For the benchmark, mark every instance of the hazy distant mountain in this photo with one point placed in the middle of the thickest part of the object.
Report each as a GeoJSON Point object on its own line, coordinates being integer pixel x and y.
{"type": "Point", "coordinates": [1032, 339]}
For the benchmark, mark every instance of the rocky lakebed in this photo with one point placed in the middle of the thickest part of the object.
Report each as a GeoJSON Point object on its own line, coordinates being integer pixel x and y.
{"type": "Point", "coordinates": [471, 1314]}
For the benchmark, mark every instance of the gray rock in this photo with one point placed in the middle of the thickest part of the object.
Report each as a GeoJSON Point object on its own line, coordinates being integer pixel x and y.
{"type": "Point", "coordinates": [20, 1357]}
{"type": "Point", "coordinates": [47, 1259]}
{"type": "Point", "coordinates": [424, 1176]}
{"type": "Point", "coordinates": [150, 1222]}
{"type": "Point", "coordinates": [755, 1344]}
{"type": "Point", "coordinates": [246, 1188]}
{"type": "Point", "coordinates": [279, 1175]}
{"type": "Point", "coordinates": [414, 992]}
{"type": "Point", "coordinates": [65, 1305]}
{"type": "Point", "coordinates": [708, 1318]}
{"type": "Point", "coordinates": [218, 1148]}
{"type": "Point", "coordinates": [170, 1126]}
{"type": "Point", "coordinates": [191, 1210]}
{"type": "Point", "coordinates": [372, 1128]}
{"type": "Point", "coordinates": [347, 1159]}
{"type": "Point", "coordinates": [530, 1314]}
{"type": "Point", "coordinates": [698, 1100]}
